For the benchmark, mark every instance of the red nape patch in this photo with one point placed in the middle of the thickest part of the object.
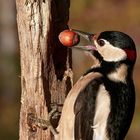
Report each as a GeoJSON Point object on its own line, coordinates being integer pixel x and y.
{"type": "Point", "coordinates": [131, 54]}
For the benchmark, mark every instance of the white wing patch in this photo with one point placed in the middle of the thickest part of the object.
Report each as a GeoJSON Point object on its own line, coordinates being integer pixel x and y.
{"type": "Point", "coordinates": [101, 115]}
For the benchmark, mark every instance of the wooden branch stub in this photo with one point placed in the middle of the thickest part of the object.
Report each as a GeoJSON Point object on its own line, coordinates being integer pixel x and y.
{"type": "Point", "coordinates": [31, 122]}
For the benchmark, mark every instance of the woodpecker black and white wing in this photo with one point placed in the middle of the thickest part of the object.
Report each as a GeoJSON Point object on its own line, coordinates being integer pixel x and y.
{"type": "Point", "coordinates": [84, 110]}
{"type": "Point", "coordinates": [71, 109]}
{"type": "Point", "coordinates": [92, 109]}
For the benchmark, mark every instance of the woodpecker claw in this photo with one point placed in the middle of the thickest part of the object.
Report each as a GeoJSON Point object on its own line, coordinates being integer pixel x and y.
{"type": "Point", "coordinates": [54, 114]}
{"type": "Point", "coordinates": [35, 122]}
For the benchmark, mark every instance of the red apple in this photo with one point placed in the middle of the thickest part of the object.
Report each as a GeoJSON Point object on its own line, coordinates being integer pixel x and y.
{"type": "Point", "coordinates": [69, 38]}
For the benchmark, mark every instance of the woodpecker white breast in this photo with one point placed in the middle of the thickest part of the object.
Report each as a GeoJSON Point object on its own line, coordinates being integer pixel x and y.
{"type": "Point", "coordinates": [100, 105]}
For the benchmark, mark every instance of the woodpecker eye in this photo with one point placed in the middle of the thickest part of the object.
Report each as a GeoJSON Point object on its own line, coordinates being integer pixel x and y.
{"type": "Point", "coordinates": [101, 42]}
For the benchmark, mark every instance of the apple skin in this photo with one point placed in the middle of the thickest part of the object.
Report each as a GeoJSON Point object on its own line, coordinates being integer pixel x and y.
{"type": "Point", "coordinates": [69, 38]}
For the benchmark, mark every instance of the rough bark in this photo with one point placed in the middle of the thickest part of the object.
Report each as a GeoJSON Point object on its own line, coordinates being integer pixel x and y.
{"type": "Point", "coordinates": [46, 74]}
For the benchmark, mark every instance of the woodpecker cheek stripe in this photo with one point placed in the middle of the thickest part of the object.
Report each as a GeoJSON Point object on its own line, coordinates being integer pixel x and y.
{"type": "Point", "coordinates": [131, 54]}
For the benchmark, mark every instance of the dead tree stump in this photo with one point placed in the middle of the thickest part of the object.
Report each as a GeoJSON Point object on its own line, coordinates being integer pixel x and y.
{"type": "Point", "coordinates": [46, 74]}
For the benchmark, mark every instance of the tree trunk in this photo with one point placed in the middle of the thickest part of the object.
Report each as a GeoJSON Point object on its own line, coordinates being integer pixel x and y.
{"type": "Point", "coordinates": [46, 75]}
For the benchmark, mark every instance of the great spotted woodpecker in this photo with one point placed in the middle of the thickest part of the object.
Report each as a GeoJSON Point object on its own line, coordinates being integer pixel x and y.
{"type": "Point", "coordinates": [100, 106]}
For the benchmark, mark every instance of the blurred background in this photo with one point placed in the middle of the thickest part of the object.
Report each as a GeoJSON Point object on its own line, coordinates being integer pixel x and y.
{"type": "Point", "coordinates": [87, 15]}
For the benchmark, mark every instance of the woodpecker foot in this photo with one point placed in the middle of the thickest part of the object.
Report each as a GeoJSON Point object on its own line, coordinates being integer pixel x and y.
{"type": "Point", "coordinates": [35, 122]}
{"type": "Point", "coordinates": [54, 113]}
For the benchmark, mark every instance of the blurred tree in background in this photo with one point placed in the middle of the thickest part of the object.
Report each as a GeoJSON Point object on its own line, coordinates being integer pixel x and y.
{"type": "Point", "coordinates": [87, 15]}
{"type": "Point", "coordinates": [9, 72]}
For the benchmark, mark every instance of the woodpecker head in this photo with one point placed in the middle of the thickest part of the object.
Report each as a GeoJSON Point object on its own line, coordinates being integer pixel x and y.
{"type": "Point", "coordinates": [111, 46]}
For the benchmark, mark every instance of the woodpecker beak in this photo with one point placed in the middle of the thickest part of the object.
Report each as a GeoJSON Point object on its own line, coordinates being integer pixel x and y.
{"type": "Point", "coordinates": [89, 37]}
